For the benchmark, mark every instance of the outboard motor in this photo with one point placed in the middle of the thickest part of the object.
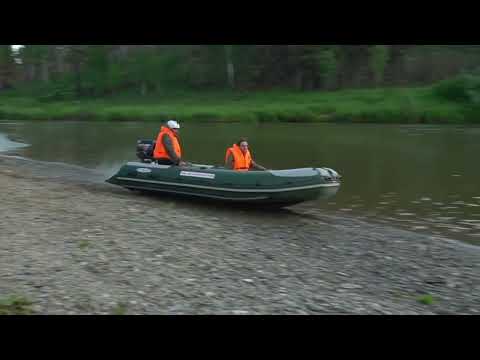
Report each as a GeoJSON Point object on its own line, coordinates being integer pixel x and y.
{"type": "Point", "coordinates": [145, 150]}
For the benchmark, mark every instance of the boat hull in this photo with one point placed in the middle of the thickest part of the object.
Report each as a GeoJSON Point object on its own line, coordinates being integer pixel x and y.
{"type": "Point", "coordinates": [277, 188]}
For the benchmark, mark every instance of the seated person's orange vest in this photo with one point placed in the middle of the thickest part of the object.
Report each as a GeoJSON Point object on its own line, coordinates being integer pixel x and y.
{"type": "Point", "coordinates": [241, 161]}
{"type": "Point", "coordinates": [160, 151]}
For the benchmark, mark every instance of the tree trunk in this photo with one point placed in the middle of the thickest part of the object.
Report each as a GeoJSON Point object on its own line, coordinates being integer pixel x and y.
{"type": "Point", "coordinates": [230, 66]}
{"type": "Point", "coordinates": [31, 73]}
{"type": "Point", "coordinates": [6, 66]}
{"type": "Point", "coordinates": [78, 80]}
{"type": "Point", "coordinates": [60, 61]}
{"type": "Point", "coordinates": [45, 71]}
{"type": "Point", "coordinates": [144, 88]}
{"type": "Point", "coordinates": [298, 79]}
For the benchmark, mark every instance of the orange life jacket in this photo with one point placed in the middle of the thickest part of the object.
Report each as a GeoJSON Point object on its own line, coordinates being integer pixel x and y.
{"type": "Point", "coordinates": [160, 151]}
{"type": "Point", "coordinates": [241, 161]}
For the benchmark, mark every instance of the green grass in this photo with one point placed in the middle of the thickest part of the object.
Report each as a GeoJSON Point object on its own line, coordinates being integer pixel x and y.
{"type": "Point", "coordinates": [120, 310]}
{"type": "Point", "coordinates": [426, 300]}
{"type": "Point", "coordinates": [15, 306]}
{"type": "Point", "coordinates": [83, 244]}
{"type": "Point", "coordinates": [396, 105]}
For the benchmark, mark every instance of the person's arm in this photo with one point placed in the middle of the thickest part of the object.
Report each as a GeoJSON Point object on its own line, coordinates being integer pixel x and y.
{"type": "Point", "coordinates": [257, 166]}
{"type": "Point", "coordinates": [229, 164]}
{"type": "Point", "coordinates": [167, 142]}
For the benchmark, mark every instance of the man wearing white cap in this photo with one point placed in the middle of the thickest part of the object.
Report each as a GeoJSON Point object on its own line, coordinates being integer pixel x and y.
{"type": "Point", "coordinates": [167, 149]}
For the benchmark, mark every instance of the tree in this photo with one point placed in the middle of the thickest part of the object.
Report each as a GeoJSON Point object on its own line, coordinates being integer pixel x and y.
{"type": "Point", "coordinates": [29, 60]}
{"type": "Point", "coordinates": [379, 57]}
{"type": "Point", "coordinates": [354, 66]}
{"type": "Point", "coordinates": [396, 66]}
{"type": "Point", "coordinates": [76, 56]}
{"type": "Point", "coordinates": [327, 66]}
{"type": "Point", "coordinates": [7, 67]}
{"type": "Point", "coordinates": [230, 65]}
{"type": "Point", "coordinates": [100, 69]}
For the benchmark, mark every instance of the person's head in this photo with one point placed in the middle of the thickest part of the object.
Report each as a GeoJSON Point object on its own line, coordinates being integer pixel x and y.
{"type": "Point", "coordinates": [243, 145]}
{"type": "Point", "coordinates": [173, 125]}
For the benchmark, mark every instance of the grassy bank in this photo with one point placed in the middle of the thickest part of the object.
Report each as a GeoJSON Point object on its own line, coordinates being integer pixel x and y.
{"type": "Point", "coordinates": [405, 105]}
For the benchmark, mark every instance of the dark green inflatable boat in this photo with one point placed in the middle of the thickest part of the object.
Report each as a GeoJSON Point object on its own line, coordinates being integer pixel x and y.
{"type": "Point", "coordinates": [277, 188]}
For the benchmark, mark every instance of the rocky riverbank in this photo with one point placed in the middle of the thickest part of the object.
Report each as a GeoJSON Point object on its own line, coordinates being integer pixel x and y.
{"type": "Point", "coordinates": [70, 244]}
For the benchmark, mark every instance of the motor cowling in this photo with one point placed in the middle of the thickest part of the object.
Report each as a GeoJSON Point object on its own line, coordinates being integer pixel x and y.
{"type": "Point", "coordinates": [145, 149]}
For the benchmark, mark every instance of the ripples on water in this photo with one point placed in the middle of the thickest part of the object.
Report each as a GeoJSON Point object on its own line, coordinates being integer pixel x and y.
{"type": "Point", "coordinates": [454, 218]}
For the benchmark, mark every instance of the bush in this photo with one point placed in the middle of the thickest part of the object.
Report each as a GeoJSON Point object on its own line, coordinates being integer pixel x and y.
{"type": "Point", "coordinates": [265, 116]}
{"type": "Point", "coordinates": [15, 306]}
{"type": "Point", "coordinates": [426, 300]}
{"type": "Point", "coordinates": [464, 88]}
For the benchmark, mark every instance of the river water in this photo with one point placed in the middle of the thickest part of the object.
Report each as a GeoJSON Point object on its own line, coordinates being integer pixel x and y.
{"type": "Point", "coordinates": [422, 178]}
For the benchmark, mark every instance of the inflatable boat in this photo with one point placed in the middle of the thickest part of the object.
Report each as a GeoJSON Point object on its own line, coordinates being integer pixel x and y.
{"type": "Point", "coordinates": [279, 188]}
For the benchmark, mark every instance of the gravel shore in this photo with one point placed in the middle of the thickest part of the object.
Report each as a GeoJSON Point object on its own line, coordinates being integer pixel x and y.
{"type": "Point", "coordinates": [70, 244]}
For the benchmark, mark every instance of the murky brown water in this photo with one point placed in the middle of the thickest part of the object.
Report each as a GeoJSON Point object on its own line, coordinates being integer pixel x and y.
{"type": "Point", "coordinates": [423, 178]}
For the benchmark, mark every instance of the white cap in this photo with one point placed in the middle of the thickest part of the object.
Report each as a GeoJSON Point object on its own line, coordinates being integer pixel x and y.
{"type": "Point", "coordinates": [173, 124]}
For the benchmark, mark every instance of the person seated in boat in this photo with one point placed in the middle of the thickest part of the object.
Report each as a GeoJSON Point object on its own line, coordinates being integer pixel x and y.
{"type": "Point", "coordinates": [168, 150]}
{"type": "Point", "coordinates": [239, 158]}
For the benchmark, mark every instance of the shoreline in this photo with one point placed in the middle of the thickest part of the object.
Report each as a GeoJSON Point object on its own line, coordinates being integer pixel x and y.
{"type": "Point", "coordinates": [71, 244]}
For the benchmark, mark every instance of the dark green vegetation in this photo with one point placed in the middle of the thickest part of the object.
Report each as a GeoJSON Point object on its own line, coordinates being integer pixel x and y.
{"type": "Point", "coordinates": [426, 300]}
{"type": "Point", "coordinates": [15, 306]}
{"type": "Point", "coordinates": [359, 83]}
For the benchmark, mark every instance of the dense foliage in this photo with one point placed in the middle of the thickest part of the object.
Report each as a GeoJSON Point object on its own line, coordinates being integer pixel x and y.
{"type": "Point", "coordinates": [98, 70]}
